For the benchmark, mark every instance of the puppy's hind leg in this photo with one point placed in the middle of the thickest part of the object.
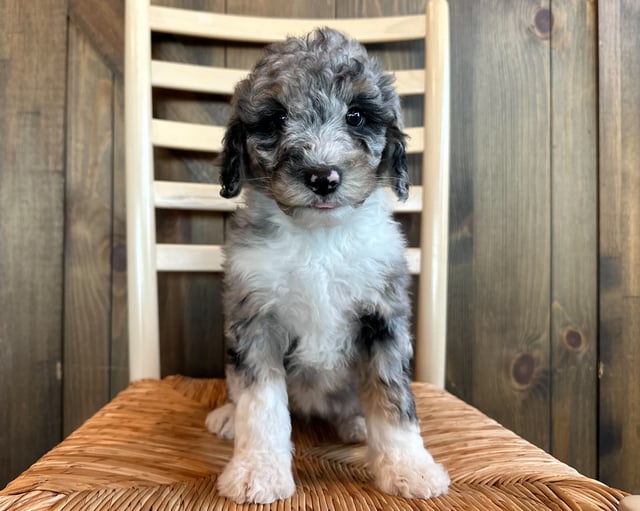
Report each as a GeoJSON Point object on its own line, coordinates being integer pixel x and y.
{"type": "Point", "coordinates": [397, 457]}
{"type": "Point", "coordinates": [343, 410]}
{"type": "Point", "coordinates": [221, 421]}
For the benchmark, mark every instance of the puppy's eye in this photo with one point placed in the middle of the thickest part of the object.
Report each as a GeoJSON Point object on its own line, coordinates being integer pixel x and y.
{"type": "Point", "coordinates": [278, 120]}
{"type": "Point", "coordinates": [355, 117]}
{"type": "Point", "coordinates": [271, 123]}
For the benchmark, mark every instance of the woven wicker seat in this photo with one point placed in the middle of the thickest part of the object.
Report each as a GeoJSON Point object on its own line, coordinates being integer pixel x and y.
{"type": "Point", "coordinates": [149, 449]}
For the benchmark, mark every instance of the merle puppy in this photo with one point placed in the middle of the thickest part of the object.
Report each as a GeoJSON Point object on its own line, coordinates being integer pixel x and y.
{"type": "Point", "coordinates": [316, 303]}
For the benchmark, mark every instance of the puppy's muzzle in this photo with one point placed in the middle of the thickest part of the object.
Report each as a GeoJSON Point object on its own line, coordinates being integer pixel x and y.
{"type": "Point", "coordinates": [322, 181]}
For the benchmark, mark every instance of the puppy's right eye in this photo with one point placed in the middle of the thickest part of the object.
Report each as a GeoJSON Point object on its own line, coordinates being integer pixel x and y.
{"type": "Point", "coordinates": [279, 120]}
{"type": "Point", "coordinates": [272, 123]}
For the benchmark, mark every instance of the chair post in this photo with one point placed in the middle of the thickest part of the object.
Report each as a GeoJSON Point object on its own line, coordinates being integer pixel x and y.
{"type": "Point", "coordinates": [432, 296]}
{"type": "Point", "coordinates": [144, 346]}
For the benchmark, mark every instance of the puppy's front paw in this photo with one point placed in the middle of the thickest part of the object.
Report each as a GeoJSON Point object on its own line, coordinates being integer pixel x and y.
{"type": "Point", "coordinates": [221, 421]}
{"type": "Point", "coordinates": [415, 476]}
{"type": "Point", "coordinates": [257, 479]}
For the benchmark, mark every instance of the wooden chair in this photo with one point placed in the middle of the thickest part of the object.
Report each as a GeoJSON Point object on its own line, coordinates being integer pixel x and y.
{"type": "Point", "coordinates": [145, 194]}
{"type": "Point", "coordinates": [148, 448]}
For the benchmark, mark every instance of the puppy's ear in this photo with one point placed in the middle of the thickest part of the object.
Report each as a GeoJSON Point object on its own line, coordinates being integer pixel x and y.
{"type": "Point", "coordinates": [233, 159]}
{"type": "Point", "coordinates": [394, 161]}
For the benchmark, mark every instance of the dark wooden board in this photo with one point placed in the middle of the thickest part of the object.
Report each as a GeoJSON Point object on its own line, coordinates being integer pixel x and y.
{"type": "Point", "coordinates": [32, 102]}
{"type": "Point", "coordinates": [619, 258]}
{"type": "Point", "coordinates": [501, 227]}
{"type": "Point", "coordinates": [119, 349]}
{"type": "Point", "coordinates": [574, 170]}
{"type": "Point", "coordinates": [88, 242]}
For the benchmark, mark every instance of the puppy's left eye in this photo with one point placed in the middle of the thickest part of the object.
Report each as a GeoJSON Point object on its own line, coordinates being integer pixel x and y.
{"type": "Point", "coordinates": [355, 117]}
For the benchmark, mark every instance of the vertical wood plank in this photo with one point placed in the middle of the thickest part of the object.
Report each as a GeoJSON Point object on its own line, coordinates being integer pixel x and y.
{"type": "Point", "coordinates": [89, 229]}
{"type": "Point", "coordinates": [119, 363]}
{"type": "Point", "coordinates": [508, 140]}
{"type": "Point", "coordinates": [571, 27]}
{"type": "Point", "coordinates": [460, 307]}
{"type": "Point", "coordinates": [32, 98]}
{"type": "Point", "coordinates": [619, 263]}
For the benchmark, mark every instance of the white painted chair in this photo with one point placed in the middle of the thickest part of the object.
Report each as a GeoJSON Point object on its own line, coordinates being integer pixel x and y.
{"type": "Point", "coordinates": [144, 193]}
{"type": "Point", "coordinates": [149, 449]}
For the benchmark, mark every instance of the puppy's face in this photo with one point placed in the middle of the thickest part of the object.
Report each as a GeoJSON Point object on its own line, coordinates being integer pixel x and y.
{"type": "Point", "coordinates": [315, 126]}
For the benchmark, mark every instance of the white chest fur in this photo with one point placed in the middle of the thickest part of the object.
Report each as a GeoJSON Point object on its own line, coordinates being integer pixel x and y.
{"type": "Point", "coordinates": [318, 279]}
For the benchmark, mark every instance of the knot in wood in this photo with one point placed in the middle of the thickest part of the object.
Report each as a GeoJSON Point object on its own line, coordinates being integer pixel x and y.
{"type": "Point", "coordinates": [523, 370]}
{"type": "Point", "coordinates": [543, 22]}
{"type": "Point", "coordinates": [573, 339]}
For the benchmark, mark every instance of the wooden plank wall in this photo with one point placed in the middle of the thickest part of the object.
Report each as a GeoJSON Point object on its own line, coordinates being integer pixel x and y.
{"type": "Point", "coordinates": [574, 171]}
{"type": "Point", "coordinates": [504, 151]}
{"type": "Point", "coordinates": [544, 302]}
{"type": "Point", "coordinates": [94, 341]}
{"type": "Point", "coordinates": [619, 244]}
{"type": "Point", "coordinates": [524, 220]}
{"type": "Point", "coordinates": [32, 174]}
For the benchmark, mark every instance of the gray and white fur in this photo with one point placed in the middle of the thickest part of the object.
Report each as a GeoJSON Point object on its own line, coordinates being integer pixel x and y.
{"type": "Point", "coordinates": [316, 300]}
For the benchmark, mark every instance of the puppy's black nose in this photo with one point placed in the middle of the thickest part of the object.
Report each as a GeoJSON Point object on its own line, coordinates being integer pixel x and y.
{"type": "Point", "coordinates": [322, 181]}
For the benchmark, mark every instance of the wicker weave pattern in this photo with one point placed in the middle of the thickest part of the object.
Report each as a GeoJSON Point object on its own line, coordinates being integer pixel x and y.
{"type": "Point", "coordinates": [148, 449]}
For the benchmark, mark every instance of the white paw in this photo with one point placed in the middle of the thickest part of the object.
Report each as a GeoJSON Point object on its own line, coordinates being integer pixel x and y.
{"type": "Point", "coordinates": [415, 476]}
{"type": "Point", "coordinates": [221, 421]}
{"type": "Point", "coordinates": [259, 480]}
{"type": "Point", "coordinates": [353, 430]}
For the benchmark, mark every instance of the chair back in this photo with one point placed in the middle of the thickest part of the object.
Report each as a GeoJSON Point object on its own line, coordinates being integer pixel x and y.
{"type": "Point", "coordinates": [143, 133]}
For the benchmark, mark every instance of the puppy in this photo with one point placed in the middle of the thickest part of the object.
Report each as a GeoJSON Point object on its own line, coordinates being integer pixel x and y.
{"type": "Point", "coordinates": [316, 301]}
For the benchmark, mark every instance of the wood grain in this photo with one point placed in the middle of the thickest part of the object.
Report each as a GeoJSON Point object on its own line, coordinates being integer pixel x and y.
{"type": "Point", "coordinates": [119, 348]}
{"type": "Point", "coordinates": [32, 100]}
{"type": "Point", "coordinates": [103, 23]}
{"type": "Point", "coordinates": [89, 229]}
{"type": "Point", "coordinates": [619, 258]}
{"type": "Point", "coordinates": [504, 137]}
{"type": "Point", "coordinates": [571, 27]}
{"type": "Point", "coordinates": [460, 309]}
{"type": "Point", "coordinates": [256, 30]}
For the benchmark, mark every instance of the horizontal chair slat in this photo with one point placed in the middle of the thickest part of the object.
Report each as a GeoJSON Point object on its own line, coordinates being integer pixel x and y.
{"type": "Point", "coordinates": [413, 204]}
{"type": "Point", "coordinates": [209, 258]}
{"type": "Point", "coordinates": [190, 77]}
{"type": "Point", "coordinates": [186, 135]}
{"type": "Point", "coordinates": [204, 196]}
{"type": "Point", "coordinates": [192, 196]}
{"type": "Point", "coordinates": [412, 256]}
{"type": "Point", "coordinates": [266, 30]}
{"type": "Point", "coordinates": [409, 82]}
{"type": "Point", "coordinates": [202, 137]}
{"type": "Point", "coordinates": [220, 80]}
{"type": "Point", "coordinates": [191, 258]}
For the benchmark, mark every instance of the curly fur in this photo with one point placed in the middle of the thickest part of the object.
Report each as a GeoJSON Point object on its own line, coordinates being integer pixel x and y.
{"type": "Point", "coordinates": [316, 301]}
